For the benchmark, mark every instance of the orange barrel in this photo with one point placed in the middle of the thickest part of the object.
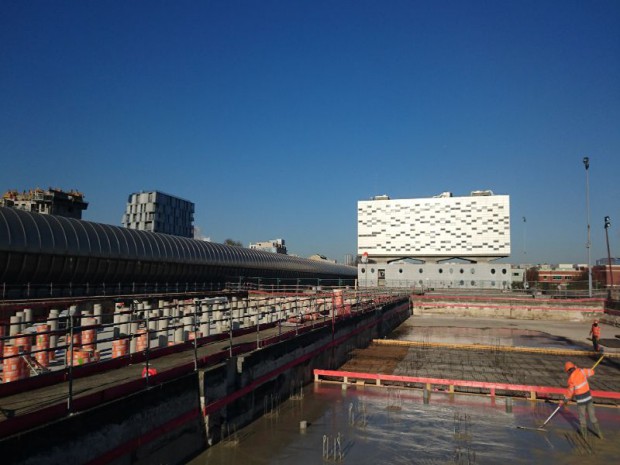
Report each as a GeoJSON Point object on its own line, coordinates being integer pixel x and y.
{"type": "Point", "coordinates": [43, 358]}
{"type": "Point", "coordinates": [93, 355]}
{"type": "Point", "coordinates": [12, 368]}
{"type": "Point", "coordinates": [192, 335]}
{"type": "Point", "coordinates": [141, 340]}
{"type": "Point", "coordinates": [338, 301]}
{"type": "Point", "coordinates": [43, 336]}
{"type": "Point", "coordinates": [120, 347]}
{"type": "Point", "coordinates": [77, 339]}
{"type": "Point", "coordinates": [2, 334]}
{"type": "Point", "coordinates": [43, 342]}
{"type": "Point", "coordinates": [89, 336]}
{"type": "Point", "coordinates": [24, 342]}
{"type": "Point", "coordinates": [80, 357]}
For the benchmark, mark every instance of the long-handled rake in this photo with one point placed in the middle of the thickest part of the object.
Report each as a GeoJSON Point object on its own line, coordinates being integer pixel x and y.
{"type": "Point", "coordinates": [542, 427]}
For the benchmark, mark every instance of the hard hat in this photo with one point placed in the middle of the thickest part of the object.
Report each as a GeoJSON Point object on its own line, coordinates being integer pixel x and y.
{"type": "Point", "coordinates": [568, 366]}
{"type": "Point", "coordinates": [596, 321]}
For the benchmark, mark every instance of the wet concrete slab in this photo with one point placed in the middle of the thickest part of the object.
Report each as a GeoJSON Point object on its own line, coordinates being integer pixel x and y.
{"type": "Point", "coordinates": [363, 424]}
{"type": "Point", "coordinates": [510, 337]}
{"type": "Point", "coordinates": [538, 369]}
{"type": "Point", "coordinates": [372, 425]}
{"type": "Point", "coordinates": [572, 335]}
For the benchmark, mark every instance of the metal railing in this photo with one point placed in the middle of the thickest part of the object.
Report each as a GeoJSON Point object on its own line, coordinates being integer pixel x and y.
{"type": "Point", "coordinates": [63, 290]}
{"type": "Point", "coordinates": [141, 331]}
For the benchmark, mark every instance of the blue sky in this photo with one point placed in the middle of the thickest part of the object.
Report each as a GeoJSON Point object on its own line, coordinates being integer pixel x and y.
{"type": "Point", "coordinates": [276, 117]}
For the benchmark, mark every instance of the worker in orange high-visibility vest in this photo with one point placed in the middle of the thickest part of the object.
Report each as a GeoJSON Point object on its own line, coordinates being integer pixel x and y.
{"type": "Point", "coordinates": [595, 331]}
{"type": "Point", "coordinates": [579, 388]}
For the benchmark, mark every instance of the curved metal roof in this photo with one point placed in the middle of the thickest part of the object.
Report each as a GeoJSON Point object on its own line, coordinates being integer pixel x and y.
{"type": "Point", "coordinates": [24, 234]}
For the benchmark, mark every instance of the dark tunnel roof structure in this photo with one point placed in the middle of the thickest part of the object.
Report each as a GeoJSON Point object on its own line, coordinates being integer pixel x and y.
{"type": "Point", "coordinates": [37, 248]}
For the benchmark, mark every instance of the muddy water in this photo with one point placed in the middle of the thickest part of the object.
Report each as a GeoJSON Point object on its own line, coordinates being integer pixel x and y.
{"type": "Point", "coordinates": [372, 425]}
{"type": "Point", "coordinates": [485, 336]}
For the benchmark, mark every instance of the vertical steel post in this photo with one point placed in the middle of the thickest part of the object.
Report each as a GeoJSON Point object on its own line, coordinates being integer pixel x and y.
{"type": "Point", "coordinates": [586, 163]}
{"type": "Point", "coordinates": [611, 271]}
{"type": "Point", "coordinates": [148, 346]}
{"type": "Point", "coordinates": [196, 304]}
{"type": "Point", "coordinates": [69, 362]}
{"type": "Point", "coordinates": [258, 325]}
{"type": "Point", "coordinates": [230, 328]}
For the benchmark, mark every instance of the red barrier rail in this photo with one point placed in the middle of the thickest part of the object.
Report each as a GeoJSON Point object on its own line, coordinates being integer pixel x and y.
{"type": "Point", "coordinates": [492, 387]}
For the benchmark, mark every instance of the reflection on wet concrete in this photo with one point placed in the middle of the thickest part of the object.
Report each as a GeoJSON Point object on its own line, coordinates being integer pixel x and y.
{"type": "Point", "coordinates": [374, 425]}
{"type": "Point", "coordinates": [484, 336]}
{"type": "Point", "coordinates": [395, 426]}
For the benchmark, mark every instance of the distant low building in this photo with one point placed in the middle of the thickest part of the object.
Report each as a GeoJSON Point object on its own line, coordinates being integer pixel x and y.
{"type": "Point", "coordinates": [52, 201]}
{"type": "Point", "coordinates": [274, 246]}
{"type": "Point", "coordinates": [606, 275]}
{"type": "Point", "coordinates": [561, 274]}
{"type": "Point", "coordinates": [161, 213]}
{"type": "Point", "coordinates": [518, 273]}
{"type": "Point", "coordinates": [321, 258]}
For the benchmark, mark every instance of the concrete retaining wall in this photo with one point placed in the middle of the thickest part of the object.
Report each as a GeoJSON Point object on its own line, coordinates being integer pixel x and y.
{"type": "Point", "coordinates": [110, 433]}
{"type": "Point", "coordinates": [273, 374]}
{"type": "Point", "coordinates": [526, 309]}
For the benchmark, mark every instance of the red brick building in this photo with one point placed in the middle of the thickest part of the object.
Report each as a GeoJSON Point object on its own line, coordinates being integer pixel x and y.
{"type": "Point", "coordinates": [602, 274]}
{"type": "Point", "coordinates": [559, 275]}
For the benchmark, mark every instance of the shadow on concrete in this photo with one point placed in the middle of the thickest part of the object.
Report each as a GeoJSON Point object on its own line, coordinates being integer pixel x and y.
{"type": "Point", "coordinates": [609, 342]}
{"type": "Point", "coordinates": [548, 340]}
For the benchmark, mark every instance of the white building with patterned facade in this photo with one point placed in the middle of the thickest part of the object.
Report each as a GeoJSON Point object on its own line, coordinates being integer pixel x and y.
{"type": "Point", "coordinates": [439, 242]}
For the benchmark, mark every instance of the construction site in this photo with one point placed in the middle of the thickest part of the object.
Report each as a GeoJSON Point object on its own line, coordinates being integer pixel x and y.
{"type": "Point", "coordinates": [125, 346]}
{"type": "Point", "coordinates": [447, 389]}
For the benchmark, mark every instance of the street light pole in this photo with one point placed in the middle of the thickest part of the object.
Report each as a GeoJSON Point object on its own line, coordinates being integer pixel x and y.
{"type": "Point", "coordinates": [525, 283]}
{"type": "Point", "coordinates": [586, 163]}
{"type": "Point", "coordinates": [611, 272]}
{"type": "Point", "coordinates": [524, 236]}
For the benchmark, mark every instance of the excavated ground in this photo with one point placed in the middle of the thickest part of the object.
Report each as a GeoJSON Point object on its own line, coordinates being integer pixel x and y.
{"type": "Point", "coordinates": [365, 424]}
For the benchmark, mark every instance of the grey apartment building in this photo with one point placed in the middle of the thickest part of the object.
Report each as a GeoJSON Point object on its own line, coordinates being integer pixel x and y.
{"type": "Point", "coordinates": [161, 213]}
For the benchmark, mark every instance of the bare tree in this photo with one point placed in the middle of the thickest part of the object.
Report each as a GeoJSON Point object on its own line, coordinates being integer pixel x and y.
{"type": "Point", "coordinates": [531, 276]}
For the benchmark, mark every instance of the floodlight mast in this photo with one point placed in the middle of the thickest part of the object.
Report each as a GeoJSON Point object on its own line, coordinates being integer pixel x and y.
{"type": "Point", "coordinates": [611, 271]}
{"type": "Point", "coordinates": [586, 163]}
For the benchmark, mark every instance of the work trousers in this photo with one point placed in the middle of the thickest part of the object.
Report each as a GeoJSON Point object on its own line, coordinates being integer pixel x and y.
{"type": "Point", "coordinates": [595, 343]}
{"type": "Point", "coordinates": [589, 406]}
